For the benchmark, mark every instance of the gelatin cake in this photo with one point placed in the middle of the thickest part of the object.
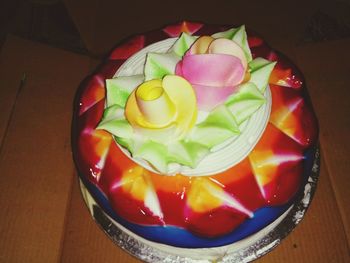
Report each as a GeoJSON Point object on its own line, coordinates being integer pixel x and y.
{"type": "Point", "coordinates": [194, 139]}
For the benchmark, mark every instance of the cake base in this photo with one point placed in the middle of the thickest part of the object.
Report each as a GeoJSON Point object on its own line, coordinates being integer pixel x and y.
{"type": "Point", "coordinates": [245, 250]}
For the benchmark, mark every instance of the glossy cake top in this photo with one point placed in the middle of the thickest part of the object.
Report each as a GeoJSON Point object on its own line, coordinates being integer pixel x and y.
{"type": "Point", "coordinates": [124, 166]}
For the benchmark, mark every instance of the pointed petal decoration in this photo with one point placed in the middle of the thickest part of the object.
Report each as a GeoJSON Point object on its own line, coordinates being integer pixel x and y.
{"type": "Point", "coordinates": [119, 89]}
{"type": "Point", "coordinates": [216, 128]}
{"type": "Point", "coordinates": [245, 101]}
{"type": "Point", "coordinates": [129, 48]}
{"type": "Point", "coordinates": [158, 65]}
{"type": "Point", "coordinates": [188, 153]}
{"type": "Point", "coordinates": [187, 27]}
{"type": "Point", "coordinates": [114, 122]}
{"type": "Point", "coordinates": [93, 93]}
{"type": "Point", "coordinates": [260, 70]}
{"type": "Point", "coordinates": [277, 163]}
{"type": "Point", "coordinates": [182, 44]}
{"type": "Point", "coordinates": [160, 156]}
{"type": "Point", "coordinates": [155, 153]}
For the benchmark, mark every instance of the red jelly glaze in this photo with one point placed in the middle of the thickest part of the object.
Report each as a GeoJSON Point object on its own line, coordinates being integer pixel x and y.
{"type": "Point", "coordinates": [255, 41]}
{"type": "Point", "coordinates": [112, 171]}
{"type": "Point", "coordinates": [239, 181]}
{"type": "Point", "coordinates": [93, 93]}
{"type": "Point", "coordinates": [108, 69]}
{"type": "Point", "coordinates": [173, 207]}
{"type": "Point", "coordinates": [284, 175]}
{"type": "Point", "coordinates": [300, 123]}
{"type": "Point", "coordinates": [128, 207]}
{"type": "Point", "coordinates": [129, 48]}
{"type": "Point", "coordinates": [172, 195]}
{"type": "Point", "coordinates": [88, 157]}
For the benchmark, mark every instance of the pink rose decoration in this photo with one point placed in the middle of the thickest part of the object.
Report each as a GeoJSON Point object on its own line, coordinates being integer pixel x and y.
{"type": "Point", "coordinates": [214, 68]}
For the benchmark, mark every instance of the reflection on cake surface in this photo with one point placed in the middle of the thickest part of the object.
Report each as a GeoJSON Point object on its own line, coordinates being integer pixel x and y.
{"type": "Point", "coordinates": [195, 130]}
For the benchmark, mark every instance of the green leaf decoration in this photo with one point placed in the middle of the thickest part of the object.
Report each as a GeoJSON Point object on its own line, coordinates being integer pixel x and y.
{"type": "Point", "coordinates": [238, 35]}
{"type": "Point", "coordinates": [245, 102]}
{"type": "Point", "coordinates": [112, 113]}
{"type": "Point", "coordinates": [226, 34]}
{"type": "Point", "coordinates": [260, 70]}
{"type": "Point", "coordinates": [114, 122]}
{"type": "Point", "coordinates": [187, 153]}
{"type": "Point", "coordinates": [128, 143]}
{"type": "Point", "coordinates": [155, 153]}
{"type": "Point", "coordinates": [182, 44]}
{"type": "Point", "coordinates": [158, 65]}
{"type": "Point", "coordinates": [119, 89]}
{"type": "Point", "coordinates": [216, 128]}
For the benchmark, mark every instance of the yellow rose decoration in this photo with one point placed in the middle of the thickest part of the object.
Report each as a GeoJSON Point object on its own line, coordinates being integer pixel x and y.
{"type": "Point", "coordinates": [159, 104]}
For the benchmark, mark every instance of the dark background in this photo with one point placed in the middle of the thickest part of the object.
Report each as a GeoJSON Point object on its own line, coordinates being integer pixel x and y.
{"type": "Point", "coordinates": [79, 25]}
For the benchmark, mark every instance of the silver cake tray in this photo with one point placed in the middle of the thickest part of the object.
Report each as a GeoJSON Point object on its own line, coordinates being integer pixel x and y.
{"type": "Point", "coordinates": [144, 250]}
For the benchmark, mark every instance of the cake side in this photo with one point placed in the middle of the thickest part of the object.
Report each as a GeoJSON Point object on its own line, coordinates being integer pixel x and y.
{"type": "Point", "coordinates": [206, 206]}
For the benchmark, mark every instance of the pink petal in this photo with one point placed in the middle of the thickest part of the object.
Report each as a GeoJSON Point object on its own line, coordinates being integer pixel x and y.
{"type": "Point", "coordinates": [209, 97]}
{"type": "Point", "coordinates": [228, 47]}
{"type": "Point", "coordinates": [217, 70]}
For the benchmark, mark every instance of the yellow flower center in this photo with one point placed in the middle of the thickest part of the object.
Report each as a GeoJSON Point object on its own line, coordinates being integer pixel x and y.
{"type": "Point", "coordinates": [155, 105]}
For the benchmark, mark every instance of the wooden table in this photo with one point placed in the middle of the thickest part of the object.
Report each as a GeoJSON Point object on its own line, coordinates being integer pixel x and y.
{"type": "Point", "coordinates": [43, 217]}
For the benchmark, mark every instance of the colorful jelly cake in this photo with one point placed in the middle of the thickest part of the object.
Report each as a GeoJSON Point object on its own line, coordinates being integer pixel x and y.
{"type": "Point", "coordinates": [194, 137]}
